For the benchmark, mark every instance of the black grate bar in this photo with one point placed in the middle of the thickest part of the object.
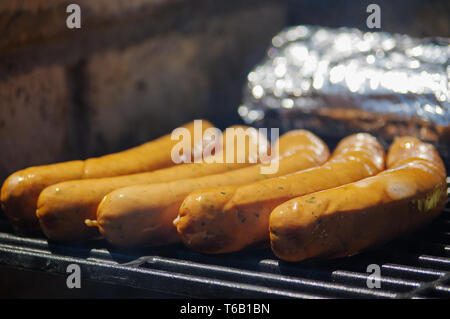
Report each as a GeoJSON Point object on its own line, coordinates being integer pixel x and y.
{"type": "Point", "coordinates": [435, 262]}
{"type": "Point", "coordinates": [443, 289]}
{"type": "Point", "coordinates": [272, 280]}
{"type": "Point", "coordinates": [409, 272]}
{"type": "Point", "coordinates": [427, 288]}
{"type": "Point", "coordinates": [416, 266]}
{"type": "Point", "coordinates": [387, 283]}
{"type": "Point", "coordinates": [157, 280]}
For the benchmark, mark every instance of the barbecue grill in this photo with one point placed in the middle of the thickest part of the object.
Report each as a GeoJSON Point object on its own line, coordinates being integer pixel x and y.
{"type": "Point", "coordinates": [415, 266]}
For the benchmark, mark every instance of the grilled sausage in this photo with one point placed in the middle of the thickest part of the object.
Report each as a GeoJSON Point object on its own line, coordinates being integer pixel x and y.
{"type": "Point", "coordinates": [143, 215]}
{"type": "Point", "coordinates": [62, 208]}
{"type": "Point", "coordinates": [347, 219]}
{"type": "Point", "coordinates": [227, 219]}
{"type": "Point", "coordinates": [20, 190]}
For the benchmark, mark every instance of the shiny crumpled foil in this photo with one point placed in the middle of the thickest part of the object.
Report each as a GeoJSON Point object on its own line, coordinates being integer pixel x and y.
{"type": "Point", "coordinates": [335, 82]}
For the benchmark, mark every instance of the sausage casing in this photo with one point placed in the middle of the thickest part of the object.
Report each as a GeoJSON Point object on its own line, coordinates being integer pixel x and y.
{"type": "Point", "coordinates": [63, 208]}
{"type": "Point", "coordinates": [20, 190]}
{"type": "Point", "coordinates": [347, 219]}
{"type": "Point", "coordinates": [227, 219]}
{"type": "Point", "coordinates": [143, 214]}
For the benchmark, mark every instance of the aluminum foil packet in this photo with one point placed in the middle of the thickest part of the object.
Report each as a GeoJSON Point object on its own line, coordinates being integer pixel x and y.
{"type": "Point", "coordinates": [336, 82]}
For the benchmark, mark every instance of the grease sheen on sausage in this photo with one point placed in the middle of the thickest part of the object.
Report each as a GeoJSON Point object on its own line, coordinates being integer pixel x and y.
{"type": "Point", "coordinates": [345, 220]}
{"type": "Point", "coordinates": [20, 190]}
{"type": "Point", "coordinates": [143, 214]}
{"type": "Point", "coordinates": [63, 208]}
{"type": "Point", "coordinates": [227, 219]}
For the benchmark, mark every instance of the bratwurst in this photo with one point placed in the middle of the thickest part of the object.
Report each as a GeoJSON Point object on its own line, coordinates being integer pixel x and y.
{"type": "Point", "coordinates": [62, 208]}
{"type": "Point", "coordinates": [236, 217]}
{"type": "Point", "coordinates": [345, 220]}
{"type": "Point", "coordinates": [143, 214]}
{"type": "Point", "coordinates": [20, 190]}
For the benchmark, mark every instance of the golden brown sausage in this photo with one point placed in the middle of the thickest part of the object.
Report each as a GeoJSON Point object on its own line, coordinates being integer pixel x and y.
{"type": "Point", "coordinates": [347, 219]}
{"type": "Point", "coordinates": [62, 208]}
{"type": "Point", "coordinates": [20, 190]}
{"type": "Point", "coordinates": [226, 219]}
{"type": "Point", "coordinates": [143, 214]}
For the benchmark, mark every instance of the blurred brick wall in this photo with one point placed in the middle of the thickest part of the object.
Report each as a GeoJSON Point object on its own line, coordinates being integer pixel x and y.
{"type": "Point", "coordinates": [134, 71]}
{"type": "Point", "coordinates": [138, 68]}
{"type": "Point", "coordinates": [418, 18]}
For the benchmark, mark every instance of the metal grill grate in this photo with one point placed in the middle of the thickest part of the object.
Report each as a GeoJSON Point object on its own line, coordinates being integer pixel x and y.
{"type": "Point", "coordinates": [417, 266]}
